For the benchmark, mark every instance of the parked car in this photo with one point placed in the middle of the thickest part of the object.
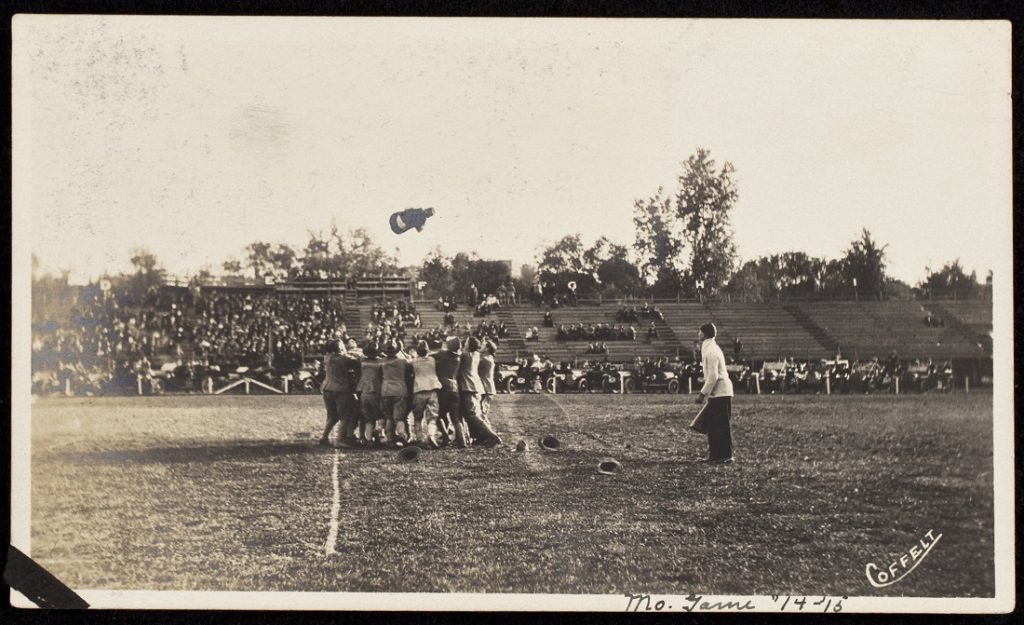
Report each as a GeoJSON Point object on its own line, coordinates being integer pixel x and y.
{"type": "Point", "coordinates": [659, 379]}
{"type": "Point", "coordinates": [616, 380]}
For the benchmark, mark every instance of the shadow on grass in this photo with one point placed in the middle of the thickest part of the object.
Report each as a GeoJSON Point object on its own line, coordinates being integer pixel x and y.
{"type": "Point", "coordinates": [192, 454]}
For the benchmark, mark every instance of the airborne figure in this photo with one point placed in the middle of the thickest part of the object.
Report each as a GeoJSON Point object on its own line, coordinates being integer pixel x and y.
{"type": "Point", "coordinates": [410, 218]}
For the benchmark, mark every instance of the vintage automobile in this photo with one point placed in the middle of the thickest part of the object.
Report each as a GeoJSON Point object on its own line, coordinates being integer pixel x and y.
{"type": "Point", "coordinates": [302, 380]}
{"type": "Point", "coordinates": [944, 377]}
{"type": "Point", "coordinates": [183, 377]}
{"type": "Point", "coordinates": [618, 380]}
{"type": "Point", "coordinates": [520, 378]}
{"type": "Point", "coordinates": [655, 379]}
{"type": "Point", "coordinates": [772, 378]}
{"type": "Point", "coordinates": [506, 378]}
{"type": "Point", "coordinates": [808, 378]}
{"type": "Point", "coordinates": [567, 379]}
{"type": "Point", "coordinates": [837, 372]}
{"type": "Point", "coordinates": [691, 377]}
{"type": "Point", "coordinates": [924, 377]}
{"type": "Point", "coordinates": [594, 374]}
{"type": "Point", "coordinates": [740, 375]}
{"type": "Point", "coordinates": [866, 377]}
{"type": "Point", "coordinates": [136, 381]}
{"type": "Point", "coordinates": [917, 378]}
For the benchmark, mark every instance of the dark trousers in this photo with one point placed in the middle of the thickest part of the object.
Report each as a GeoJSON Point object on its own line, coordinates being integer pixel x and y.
{"type": "Point", "coordinates": [341, 406]}
{"type": "Point", "coordinates": [718, 429]}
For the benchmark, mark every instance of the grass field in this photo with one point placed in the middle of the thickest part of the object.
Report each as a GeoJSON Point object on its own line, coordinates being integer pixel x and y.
{"type": "Point", "coordinates": [230, 493]}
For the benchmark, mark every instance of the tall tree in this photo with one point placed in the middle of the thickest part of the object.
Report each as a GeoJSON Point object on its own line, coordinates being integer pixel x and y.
{"type": "Point", "coordinates": [865, 262]}
{"type": "Point", "coordinates": [768, 278]}
{"type": "Point", "coordinates": [265, 259]}
{"type": "Point", "coordinates": [283, 259]}
{"type": "Point", "coordinates": [316, 256]}
{"type": "Point", "coordinates": [232, 267]}
{"type": "Point", "coordinates": [565, 256]}
{"type": "Point", "coordinates": [613, 271]}
{"type": "Point", "coordinates": [619, 275]}
{"type": "Point", "coordinates": [688, 237]}
{"type": "Point", "coordinates": [703, 203]}
{"type": "Point", "coordinates": [257, 256]}
{"type": "Point", "coordinates": [345, 256]}
{"type": "Point", "coordinates": [801, 275]}
{"type": "Point", "coordinates": [147, 276]}
{"type": "Point", "coordinates": [950, 281]}
{"type": "Point", "coordinates": [364, 257]}
{"type": "Point", "coordinates": [488, 274]}
{"type": "Point", "coordinates": [436, 271]}
{"type": "Point", "coordinates": [527, 276]}
{"type": "Point", "coordinates": [658, 241]}
{"type": "Point", "coordinates": [469, 269]}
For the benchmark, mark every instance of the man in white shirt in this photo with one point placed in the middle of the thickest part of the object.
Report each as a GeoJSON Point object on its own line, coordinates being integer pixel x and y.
{"type": "Point", "coordinates": [713, 418]}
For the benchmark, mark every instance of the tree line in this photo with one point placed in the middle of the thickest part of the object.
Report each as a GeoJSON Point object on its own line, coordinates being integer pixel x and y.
{"type": "Point", "coordinates": [682, 247]}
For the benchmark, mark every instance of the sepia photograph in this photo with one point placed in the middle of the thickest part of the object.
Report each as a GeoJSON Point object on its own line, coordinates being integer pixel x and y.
{"type": "Point", "coordinates": [519, 314]}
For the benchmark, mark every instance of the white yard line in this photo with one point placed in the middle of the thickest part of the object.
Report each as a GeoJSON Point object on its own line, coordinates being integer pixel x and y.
{"type": "Point", "coordinates": [332, 532]}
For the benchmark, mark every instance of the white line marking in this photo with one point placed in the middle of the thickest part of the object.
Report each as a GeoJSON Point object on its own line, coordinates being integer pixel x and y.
{"type": "Point", "coordinates": [332, 532]}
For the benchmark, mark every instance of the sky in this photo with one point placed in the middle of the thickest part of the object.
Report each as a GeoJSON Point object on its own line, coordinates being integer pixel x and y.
{"type": "Point", "coordinates": [192, 137]}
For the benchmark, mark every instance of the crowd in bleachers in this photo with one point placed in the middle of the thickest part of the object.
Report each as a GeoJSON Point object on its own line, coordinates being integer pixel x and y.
{"type": "Point", "coordinates": [589, 332]}
{"type": "Point", "coordinates": [633, 314]}
{"type": "Point", "coordinates": [103, 339]}
{"type": "Point", "coordinates": [487, 305]}
{"type": "Point", "coordinates": [391, 319]}
{"type": "Point", "coordinates": [548, 294]}
{"type": "Point", "coordinates": [107, 335]}
{"type": "Point", "coordinates": [244, 328]}
{"type": "Point", "coordinates": [446, 304]}
{"type": "Point", "coordinates": [399, 320]}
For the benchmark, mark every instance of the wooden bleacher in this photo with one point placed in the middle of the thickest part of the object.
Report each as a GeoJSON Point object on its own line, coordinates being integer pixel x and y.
{"type": "Point", "coordinates": [767, 331]}
{"type": "Point", "coordinates": [803, 330]}
{"type": "Point", "coordinates": [526, 317]}
{"type": "Point", "coordinates": [873, 329]}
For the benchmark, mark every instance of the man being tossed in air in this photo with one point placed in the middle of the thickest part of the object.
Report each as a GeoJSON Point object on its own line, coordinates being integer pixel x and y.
{"type": "Point", "coordinates": [410, 218]}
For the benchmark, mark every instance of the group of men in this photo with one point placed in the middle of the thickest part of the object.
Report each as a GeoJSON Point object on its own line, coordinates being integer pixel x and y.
{"type": "Point", "coordinates": [602, 331]}
{"type": "Point", "coordinates": [387, 397]}
{"type": "Point", "coordinates": [632, 314]}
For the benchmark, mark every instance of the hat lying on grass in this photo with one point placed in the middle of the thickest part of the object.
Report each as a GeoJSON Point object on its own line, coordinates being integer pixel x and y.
{"type": "Point", "coordinates": [609, 466]}
{"type": "Point", "coordinates": [409, 454]}
{"type": "Point", "coordinates": [550, 443]}
{"type": "Point", "coordinates": [522, 446]}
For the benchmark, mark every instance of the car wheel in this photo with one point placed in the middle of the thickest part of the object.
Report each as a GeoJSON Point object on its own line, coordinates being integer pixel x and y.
{"type": "Point", "coordinates": [673, 386]}
{"type": "Point", "coordinates": [510, 386]}
{"type": "Point", "coordinates": [630, 385]}
{"type": "Point", "coordinates": [582, 386]}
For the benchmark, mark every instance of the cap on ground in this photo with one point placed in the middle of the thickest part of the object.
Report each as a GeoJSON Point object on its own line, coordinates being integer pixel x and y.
{"type": "Point", "coordinates": [609, 466]}
{"type": "Point", "coordinates": [409, 454]}
{"type": "Point", "coordinates": [522, 446]}
{"type": "Point", "coordinates": [549, 442]}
